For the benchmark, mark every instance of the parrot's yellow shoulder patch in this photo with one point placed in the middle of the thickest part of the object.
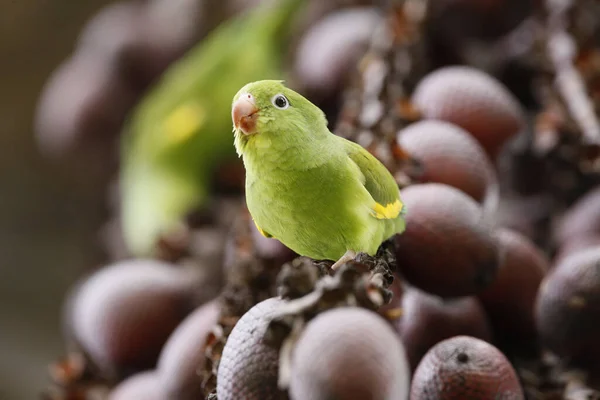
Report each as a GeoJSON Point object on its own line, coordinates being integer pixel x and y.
{"type": "Point", "coordinates": [389, 211]}
{"type": "Point", "coordinates": [182, 122]}
{"type": "Point", "coordinates": [265, 234]}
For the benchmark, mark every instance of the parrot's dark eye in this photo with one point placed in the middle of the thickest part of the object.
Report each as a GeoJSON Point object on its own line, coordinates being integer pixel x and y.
{"type": "Point", "coordinates": [280, 101]}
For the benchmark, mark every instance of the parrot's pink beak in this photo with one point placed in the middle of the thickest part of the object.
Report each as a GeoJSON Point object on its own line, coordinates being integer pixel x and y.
{"type": "Point", "coordinates": [244, 114]}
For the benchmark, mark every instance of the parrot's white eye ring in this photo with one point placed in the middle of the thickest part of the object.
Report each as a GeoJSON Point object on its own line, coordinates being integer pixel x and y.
{"type": "Point", "coordinates": [280, 101]}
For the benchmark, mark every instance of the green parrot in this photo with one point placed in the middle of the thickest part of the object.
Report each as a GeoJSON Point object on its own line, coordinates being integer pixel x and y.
{"type": "Point", "coordinates": [175, 137]}
{"type": "Point", "coordinates": [319, 194]}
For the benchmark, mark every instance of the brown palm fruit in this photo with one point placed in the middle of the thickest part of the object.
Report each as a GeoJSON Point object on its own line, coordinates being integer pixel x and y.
{"type": "Point", "coordinates": [176, 25]}
{"type": "Point", "coordinates": [447, 248]}
{"type": "Point", "coordinates": [142, 386]}
{"type": "Point", "coordinates": [449, 155]}
{"type": "Point", "coordinates": [464, 367]}
{"type": "Point", "coordinates": [141, 38]}
{"type": "Point", "coordinates": [427, 320]}
{"type": "Point", "coordinates": [509, 301]}
{"type": "Point", "coordinates": [576, 244]}
{"type": "Point", "coordinates": [123, 314]}
{"type": "Point", "coordinates": [183, 354]}
{"type": "Point", "coordinates": [349, 353]}
{"type": "Point", "coordinates": [568, 307]}
{"type": "Point", "coordinates": [473, 100]}
{"type": "Point", "coordinates": [248, 368]}
{"type": "Point", "coordinates": [327, 53]}
{"type": "Point", "coordinates": [581, 220]}
{"type": "Point", "coordinates": [82, 107]}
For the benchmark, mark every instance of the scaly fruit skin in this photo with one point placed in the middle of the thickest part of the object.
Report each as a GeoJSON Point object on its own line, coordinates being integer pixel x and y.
{"type": "Point", "coordinates": [319, 194]}
{"type": "Point", "coordinates": [178, 133]}
{"type": "Point", "coordinates": [248, 367]}
{"type": "Point", "coordinates": [464, 367]}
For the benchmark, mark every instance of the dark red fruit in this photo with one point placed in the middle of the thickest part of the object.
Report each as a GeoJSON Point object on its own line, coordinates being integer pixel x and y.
{"type": "Point", "coordinates": [568, 307]}
{"type": "Point", "coordinates": [576, 244]}
{"type": "Point", "coordinates": [427, 320]}
{"type": "Point", "coordinates": [142, 386]}
{"type": "Point", "coordinates": [140, 39]}
{"type": "Point", "coordinates": [82, 106]}
{"type": "Point", "coordinates": [183, 354]}
{"type": "Point", "coordinates": [349, 353]}
{"type": "Point", "coordinates": [123, 314]}
{"type": "Point", "coordinates": [581, 220]}
{"type": "Point", "coordinates": [446, 249]}
{"type": "Point", "coordinates": [448, 155]}
{"type": "Point", "coordinates": [510, 299]}
{"type": "Point", "coordinates": [175, 25]}
{"type": "Point", "coordinates": [464, 367]}
{"type": "Point", "coordinates": [327, 53]}
{"type": "Point", "coordinates": [473, 100]}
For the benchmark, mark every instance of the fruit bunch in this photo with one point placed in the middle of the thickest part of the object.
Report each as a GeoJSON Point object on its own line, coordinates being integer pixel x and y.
{"type": "Point", "coordinates": [486, 113]}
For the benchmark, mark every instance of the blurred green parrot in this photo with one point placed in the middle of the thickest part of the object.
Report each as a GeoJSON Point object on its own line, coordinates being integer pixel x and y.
{"type": "Point", "coordinates": [182, 128]}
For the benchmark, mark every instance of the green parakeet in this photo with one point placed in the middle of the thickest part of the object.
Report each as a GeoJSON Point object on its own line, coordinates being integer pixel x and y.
{"type": "Point", "coordinates": [319, 194]}
{"type": "Point", "coordinates": [178, 133]}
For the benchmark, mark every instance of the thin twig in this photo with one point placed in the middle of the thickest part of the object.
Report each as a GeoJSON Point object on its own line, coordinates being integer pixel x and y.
{"type": "Point", "coordinates": [562, 50]}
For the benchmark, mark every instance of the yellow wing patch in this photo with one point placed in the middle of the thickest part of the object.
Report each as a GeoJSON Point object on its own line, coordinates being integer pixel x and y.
{"type": "Point", "coordinates": [389, 211]}
{"type": "Point", "coordinates": [265, 234]}
{"type": "Point", "coordinates": [184, 121]}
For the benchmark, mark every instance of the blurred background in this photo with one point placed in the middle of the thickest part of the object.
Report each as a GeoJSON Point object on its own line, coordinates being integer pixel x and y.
{"type": "Point", "coordinates": [70, 71]}
{"type": "Point", "coordinates": [48, 212]}
{"type": "Point", "coordinates": [51, 208]}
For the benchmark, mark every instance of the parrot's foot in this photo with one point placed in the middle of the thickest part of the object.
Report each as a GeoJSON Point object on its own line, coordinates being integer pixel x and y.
{"type": "Point", "coordinates": [349, 255]}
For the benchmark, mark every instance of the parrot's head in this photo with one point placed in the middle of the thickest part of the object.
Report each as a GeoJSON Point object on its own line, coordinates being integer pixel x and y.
{"type": "Point", "coordinates": [267, 116]}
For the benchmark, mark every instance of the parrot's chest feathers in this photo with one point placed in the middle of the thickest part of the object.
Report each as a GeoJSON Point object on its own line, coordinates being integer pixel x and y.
{"type": "Point", "coordinates": [310, 209]}
{"type": "Point", "coordinates": [283, 180]}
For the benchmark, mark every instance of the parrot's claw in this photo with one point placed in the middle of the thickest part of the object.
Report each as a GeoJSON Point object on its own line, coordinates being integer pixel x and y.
{"type": "Point", "coordinates": [349, 255]}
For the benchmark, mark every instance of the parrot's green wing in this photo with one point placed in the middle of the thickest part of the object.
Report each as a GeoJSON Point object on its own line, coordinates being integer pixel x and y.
{"type": "Point", "coordinates": [378, 182]}
{"type": "Point", "coordinates": [181, 129]}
